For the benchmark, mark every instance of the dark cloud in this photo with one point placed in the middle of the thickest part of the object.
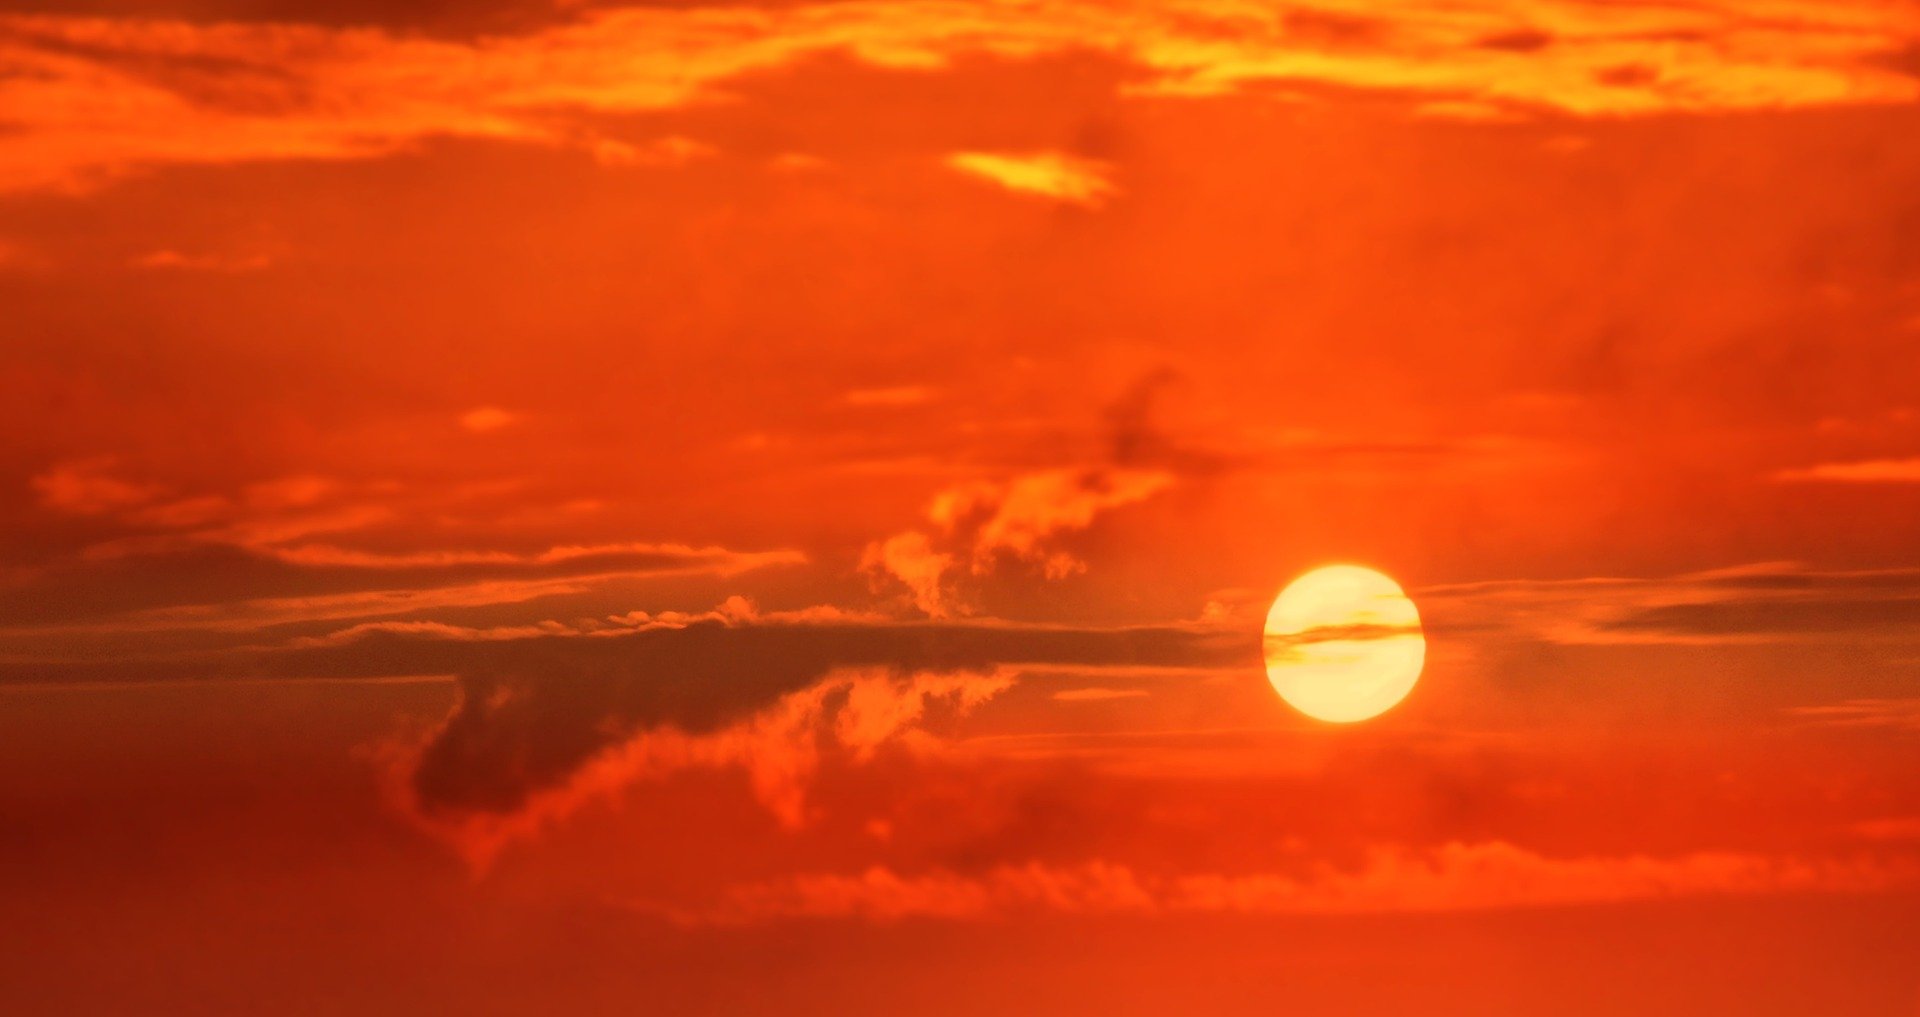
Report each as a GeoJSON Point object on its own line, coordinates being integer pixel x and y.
{"type": "Point", "coordinates": [533, 711]}
{"type": "Point", "coordinates": [533, 714]}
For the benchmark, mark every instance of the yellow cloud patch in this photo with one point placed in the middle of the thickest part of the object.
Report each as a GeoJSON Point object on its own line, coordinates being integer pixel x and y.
{"type": "Point", "coordinates": [1065, 178]}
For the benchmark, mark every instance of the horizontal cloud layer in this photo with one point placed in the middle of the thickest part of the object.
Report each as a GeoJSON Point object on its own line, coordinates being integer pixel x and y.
{"type": "Point", "coordinates": [1453, 877]}
{"type": "Point", "coordinates": [93, 97]}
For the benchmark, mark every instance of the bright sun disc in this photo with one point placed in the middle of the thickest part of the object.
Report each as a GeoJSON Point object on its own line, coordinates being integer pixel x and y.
{"type": "Point", "coordinates": [1343, 644]}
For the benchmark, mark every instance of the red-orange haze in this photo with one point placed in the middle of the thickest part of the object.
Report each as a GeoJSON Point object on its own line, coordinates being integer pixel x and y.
{"type": "Point", "coordinates": [550, 507]}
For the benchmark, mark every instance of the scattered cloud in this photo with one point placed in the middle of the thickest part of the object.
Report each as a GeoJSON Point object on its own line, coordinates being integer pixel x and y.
{"type": "Point", "coordinates": [1064, 178]}
{"type": "Point", "coordinates": [672, 150]}
{"type": "Point", "coordinates": [1454, 877]}
{"type": "Point", "coordinates": [96, 97]}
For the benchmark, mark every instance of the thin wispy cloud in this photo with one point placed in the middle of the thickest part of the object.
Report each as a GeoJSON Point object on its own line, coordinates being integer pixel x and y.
{"type": "Point", "coordinates": [1457, 876]}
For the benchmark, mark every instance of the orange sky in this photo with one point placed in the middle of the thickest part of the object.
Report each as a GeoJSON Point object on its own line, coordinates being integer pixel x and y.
{"type": "Point", "coordinates": [554, 507]}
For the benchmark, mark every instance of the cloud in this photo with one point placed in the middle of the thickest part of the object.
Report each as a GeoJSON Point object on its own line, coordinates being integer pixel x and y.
{"type": "Point", "coordinates": [89, 487]}
{"type": "Point", "coordinates": [672, 150]}
{"type": "Point", "coordinates": [735, 610]}
{"type": "Point", "coordinates": [1765, 602]}
{"type": "Point", "coordinates": [1453, 877]}
{"type": "Point", "coordinates": [540, 707]}
{"type": "Point", "coordinates": [1872, 471]}
{"type": "Point", "coordinates": [252, 557]}
{"type": "Point", "coordinates": [1064, 178]}
{"type": "Point", "coordinates": [482, 419]}
{"type": "Point", "coordinates": [851, 713]}
{"type": "Point", "coordinates": [910, 558]}
{"type": "Point", "coordinates": [433, 585]}
{"type": "Point", "coordinates": [91, 98]}
{"type": "Point", "coordinates": [174, 261]}
{"type": "Point", "coordinates": [1899, 714]}
{"type": "Point", "coordinates": [1097, 695]}
{"type": "Point", "coordinates": [1020, 518]}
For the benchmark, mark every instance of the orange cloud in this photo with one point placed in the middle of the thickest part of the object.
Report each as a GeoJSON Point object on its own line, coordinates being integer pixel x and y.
{"type": "Point", "coordinates": [171, 260]}
{"type": "Point", "coordinates": [735, 610]}
{"type": "Point", "coordinates": [1453, 877]}
{"type": "Point", "coordinates": [1872, 471]}
{"type": "Point", "coordinates": [672, 150]}
{"type": "Point", "coordinates": [1746, 604]}
{"type": "Point", "coordinates": [853, 712]}
{"type": "Point", "coordinates": [1900, 714]}
{"type": "Point", "coordinates": [93, 97]}
{"type": "Point", "coordinates": [1064, 178]}
{"type": "Point", "coordinates": [1018, 518]}
{"type": "Point", "coordinates": [911, 559]}
{"type": "Point", "coordinates": [90, 488]}
{"type": "Point", "coordinates": [1097, 695]}
{"type": "Point", "coordinates": [482, 419]}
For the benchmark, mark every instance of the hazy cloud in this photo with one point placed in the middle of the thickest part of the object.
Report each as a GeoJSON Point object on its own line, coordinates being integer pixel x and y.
{"type": "Point", "coordinates": [1763, 602]}
{"type": "Point", "coordinates": [1452, 877]}
{"type": "Point", "coordinates": [1871, 471]}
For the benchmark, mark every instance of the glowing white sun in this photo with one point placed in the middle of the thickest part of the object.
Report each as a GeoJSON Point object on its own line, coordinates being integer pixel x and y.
{"type": "Point", "coordinates": [1343, 643]}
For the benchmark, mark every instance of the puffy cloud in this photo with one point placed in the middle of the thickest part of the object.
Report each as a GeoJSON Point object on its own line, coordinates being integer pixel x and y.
{"type": "Point", "coordinates": [910, 558]}
{"type": "Point", "coordinates": [92, 97]}
{"type": "Point", "coordinates": [1453, 877]}
{"type": "Point", "coordinates": [1064, 178]}
{"type": "Point", "coordinates": [1019, 518]}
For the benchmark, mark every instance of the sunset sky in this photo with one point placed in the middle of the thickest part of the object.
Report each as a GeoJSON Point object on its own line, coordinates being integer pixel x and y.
{"type": "Point", "coordinates": [553, 507]}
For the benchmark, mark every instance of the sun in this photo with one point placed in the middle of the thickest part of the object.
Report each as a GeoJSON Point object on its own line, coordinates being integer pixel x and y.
{"type": "Point", "coordinates": [1343, 644]}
